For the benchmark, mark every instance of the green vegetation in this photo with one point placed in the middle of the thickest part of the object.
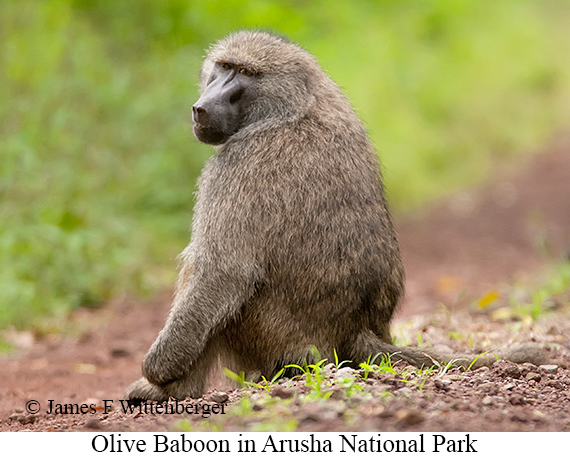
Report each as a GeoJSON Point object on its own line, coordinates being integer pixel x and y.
{"type": "Point", "coordinates": [552, 295]}
{"type": "Point", "coordinates": [319, 387]}
{"type": "Point", "coordinates": [97, 162]}
{"type": "Point", "coordinates": [240, 380]}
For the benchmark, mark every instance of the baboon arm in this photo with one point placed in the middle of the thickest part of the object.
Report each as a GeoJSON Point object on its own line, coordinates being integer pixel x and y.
{"type": "Point", "coordinates": [208, 300]}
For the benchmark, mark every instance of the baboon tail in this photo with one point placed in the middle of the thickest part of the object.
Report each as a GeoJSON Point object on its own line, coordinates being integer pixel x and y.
{"type": "Point", "coordinates": [368, 344]}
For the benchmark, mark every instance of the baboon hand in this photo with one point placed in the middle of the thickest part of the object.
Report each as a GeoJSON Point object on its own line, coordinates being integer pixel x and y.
{"type": "Point", "coordinates": [141, 390]}
{"type": "Point", "coordinates": [163, 367]}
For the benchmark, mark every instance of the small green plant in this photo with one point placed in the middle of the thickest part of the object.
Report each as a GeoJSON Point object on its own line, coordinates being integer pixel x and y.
{"type": "Point", "coordinates": [336, 362]}
{"type": "Point", "coordinates": [541, 302]}
{"type": "Point", "coordinates": [240, 380]}
{"type": "Point", "coordinates": [351, 386]}
{"type": "Point", "coordinates": [268, 384]}
{"type": "Point", "coordinates": [423, 380]}
{"type": "Point", "coordinates": [531, 306]}
{"type": "Point", "coordinates": [403, 341]}
{"type": "Point", "coordinates": [443, 369]}
{"type": "Point", "coordinates": [314, 372]}
{"type": "Point", "coordinates": [477, 358]}
{"type": "Point", "coordinates": [185, 425]}
{"type": "Point", "coordinates": [420, 340]}
{"type": "Point", "coordinates": [368, 366]}
{"type": "Point", "coordinates": [385, 365]}
{"type": "Point", "coordinates": [418, 376]}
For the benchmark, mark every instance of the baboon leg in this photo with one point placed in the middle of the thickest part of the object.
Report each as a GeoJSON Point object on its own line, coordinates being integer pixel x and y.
{"type": "Point", "coordinates": [190, 385]}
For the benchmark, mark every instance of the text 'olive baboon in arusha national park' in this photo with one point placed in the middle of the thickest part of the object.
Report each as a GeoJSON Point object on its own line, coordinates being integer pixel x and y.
{"type": "Point", "coordinates": [292, 242]}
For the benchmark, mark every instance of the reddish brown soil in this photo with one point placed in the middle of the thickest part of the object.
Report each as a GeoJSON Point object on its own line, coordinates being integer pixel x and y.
{"type": "Point", "coordinates": [460, 249]}
{"type": "Point", "coordinates": [504, 231]}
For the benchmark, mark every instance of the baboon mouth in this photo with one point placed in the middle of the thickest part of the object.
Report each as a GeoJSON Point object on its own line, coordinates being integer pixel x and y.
{"type": "Point", "coordinates": [209, 135]}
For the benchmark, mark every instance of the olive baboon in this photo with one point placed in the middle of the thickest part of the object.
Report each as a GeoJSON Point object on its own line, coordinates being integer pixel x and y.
{"type": "Point", "coordinates": [292, 242]}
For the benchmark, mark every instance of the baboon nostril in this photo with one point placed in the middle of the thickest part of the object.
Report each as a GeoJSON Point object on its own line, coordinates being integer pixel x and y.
{"type": "Point", "coordinates": [199, 114]}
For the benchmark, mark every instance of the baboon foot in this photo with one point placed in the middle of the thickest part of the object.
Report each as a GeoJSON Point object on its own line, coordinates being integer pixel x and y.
{"type": "Point", "coordinates": [141, 390]}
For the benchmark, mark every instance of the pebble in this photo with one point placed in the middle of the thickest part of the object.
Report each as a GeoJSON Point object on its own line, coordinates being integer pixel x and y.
{"type": "Point", "coordinates": [516, 399]}
{"type": "Point", "coordinates": [26, 419]}
{"type": "Point", "coordinates": [506, 369]}
{"type": "Point", "coordinates": [488, 388]}
{"type": "Point", "coordinates": [119, 352]}
{"type": "Point", "coordinates": [555, 384]}
{"type": "Point", "coordinates": [257, 407]}
{"type": "Point", "coordinates": [409, 417]}
{"type": "Point", "coordinates": [344, 373]}
{"type": "Point", "coordinates": [551, 369]}
{"type": "Point", "coordinates": [444, 384]}
{"type": "Point", "coordinates": [312, 413]}
{"type": "Point", "coordinates": [372, 409]}
{"type": "Point", "coordinates": [533, 377]}
{"type": "Point", "coordinates": [282, 392]}
{"type": "Point", "coordinates": [526, 367]}
{"type": "Point", "coordinates": [94, 424]}
{"type": "Point", "coordinates": [218, 397]}
{"type": "Point", "coordinates": [337, 393]}
{"type": "Point", "coordinates": [403, 391]}
{"type": "Point", "coordinates": [329, 370]}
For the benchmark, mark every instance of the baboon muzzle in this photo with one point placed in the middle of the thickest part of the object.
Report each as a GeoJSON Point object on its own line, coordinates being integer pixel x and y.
{"type": "Point", "coordinates": [216, 114]}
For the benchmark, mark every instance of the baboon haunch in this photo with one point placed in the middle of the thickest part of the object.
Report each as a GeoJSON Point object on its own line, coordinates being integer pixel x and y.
{"type": "Point", "coordinates": [292, 242]}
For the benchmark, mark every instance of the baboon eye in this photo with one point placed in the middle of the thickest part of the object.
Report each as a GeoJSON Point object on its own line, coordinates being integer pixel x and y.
{"type": "Point", "coordinates": [226, 66]}
{"type": "Point", "coordinates": [246, 72]}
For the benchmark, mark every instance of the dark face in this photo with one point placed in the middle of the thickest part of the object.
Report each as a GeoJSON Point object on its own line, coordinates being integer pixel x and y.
{"type": "Point", "coordinates": [220, 111]}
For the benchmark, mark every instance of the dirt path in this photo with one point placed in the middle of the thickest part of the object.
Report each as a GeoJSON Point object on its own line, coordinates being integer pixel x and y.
{"type": "Point", "coordinates": [464, 246]}
{"type": "Point", "coordinates": [503, 231]}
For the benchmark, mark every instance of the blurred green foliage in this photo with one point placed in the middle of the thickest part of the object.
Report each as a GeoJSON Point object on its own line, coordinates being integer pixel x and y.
{"type": "Point", "coordinates": [97, 161]}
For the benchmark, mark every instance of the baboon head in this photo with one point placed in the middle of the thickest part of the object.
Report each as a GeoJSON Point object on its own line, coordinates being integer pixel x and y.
{"type": "Point", "coordinates": [248, 79]}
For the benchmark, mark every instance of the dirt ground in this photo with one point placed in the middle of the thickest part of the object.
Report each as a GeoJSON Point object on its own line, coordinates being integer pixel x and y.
{"type": "Point", "coordinates": [460, 249]}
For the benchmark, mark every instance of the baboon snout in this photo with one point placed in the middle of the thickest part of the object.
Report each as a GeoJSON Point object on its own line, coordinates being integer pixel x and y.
{"type": "Point", "coordinates": [216, 115]}
{"type": "Point", "coordinates": [199, 115]}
